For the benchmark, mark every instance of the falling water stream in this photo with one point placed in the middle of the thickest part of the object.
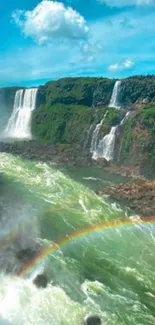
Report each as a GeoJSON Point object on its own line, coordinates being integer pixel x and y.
{"type": "Point", "coordinates": [19, 124]}
{"type": "Point", "coordinates": [115, 94]}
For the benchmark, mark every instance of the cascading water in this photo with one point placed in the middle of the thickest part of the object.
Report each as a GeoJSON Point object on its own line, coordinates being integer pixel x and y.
{"type": "Point", "coordinates": [125, 118]}
{"type": "Point", "coordinates": [115, 93]}
{"type": "Point", "coordinates": [95, 137]}
{"type": "Point", "coordinates": [106, 146]}
{"type": "Point", "coordinates": [19, 125]}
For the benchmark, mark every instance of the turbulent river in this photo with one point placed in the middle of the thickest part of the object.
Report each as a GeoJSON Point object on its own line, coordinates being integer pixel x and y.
{"type": "Point", "coordinates": [106, 271]}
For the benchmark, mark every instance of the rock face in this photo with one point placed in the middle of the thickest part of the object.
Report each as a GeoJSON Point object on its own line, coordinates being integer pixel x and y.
{"type": "Point", "coordinates": [139, 195]}
{"type": "Point", "coordinates": [68, 110]}
{"type": "Point", "coordinates": [70, 155]}
{"type": "Point", "coordinates": [93, 320]}
{"type": "Point", "coordinates": [102, 162]}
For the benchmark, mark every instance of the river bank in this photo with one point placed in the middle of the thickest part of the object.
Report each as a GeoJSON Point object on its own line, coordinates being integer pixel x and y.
{"type": "Point", "coordinates": [71, 155]}
{"type": "Point", "coordinates": [138, 194]}
{"type": "Point", "coordinates": [57, 154]}
{"type": "Point", "coordinates": [135, 191]}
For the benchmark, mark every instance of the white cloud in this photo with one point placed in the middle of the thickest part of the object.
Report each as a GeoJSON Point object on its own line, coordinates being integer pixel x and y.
{"type": "Point", "coordinates": [127, 64]}
{"type": "Point", "coordinates": [114, 67]}
{"type": "Point", "coordinates": [51, 20]}
{"type": "Point", "coordinates": [125, 3]}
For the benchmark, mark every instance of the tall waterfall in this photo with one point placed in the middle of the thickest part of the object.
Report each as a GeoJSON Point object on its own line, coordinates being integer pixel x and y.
{"type": "Point", "coordinates": [106, 146]}
{"type": "Point", "coordinates": [95, 137]}
{"type": "Point", "coordinates": [19, 124]}
{"type": "Point", "coordinates": [115, 93]}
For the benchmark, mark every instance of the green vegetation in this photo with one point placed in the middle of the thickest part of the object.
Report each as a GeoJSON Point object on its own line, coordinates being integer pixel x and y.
{"type": "Point", "coordinates": [79, 91]}
{"type": "Point", "coordinates": [138, 138]}
{"type": "Point", "coordinates": [68, 107]}
{"type": "Point", "coordinates": [69, 124]}
{"type": "Point", "coordinates": [113, 118]}
{"type": "Point", "coordinates": [137, 88]}
{"type": "Point", "coordinates": [128, 137]}
{"type": "Point", "coordinates": [70, 91]}
{"type": "Point", "coordinates": [62, 123]}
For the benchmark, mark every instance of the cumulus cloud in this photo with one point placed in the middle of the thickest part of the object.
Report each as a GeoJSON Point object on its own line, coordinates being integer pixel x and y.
{"type": "Point", "coordinates": [125, 3]}
{"type": "Point", "coordinates": [51, 20]}
{"type": "Point", "coordinates": [127, 64]}
{"type": "Point", "coordinates": [114, 67]}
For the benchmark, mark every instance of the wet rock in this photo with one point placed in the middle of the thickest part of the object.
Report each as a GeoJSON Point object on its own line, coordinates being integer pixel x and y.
{"type": "Point", "coordinates": [102, 162]}
{"type": "Point", "coordinates": [93, 320]}
{"type": "Point", "coordinates": [25, 254]}
{"type": "Point", "coordinates": [70, 155]}
{"type": "Point", "coordinates": [41, 281]}
{"type": "Point", "coordinates": [139, 195]}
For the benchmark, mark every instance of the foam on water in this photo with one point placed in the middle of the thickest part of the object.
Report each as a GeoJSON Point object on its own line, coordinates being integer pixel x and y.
{"type": "Point", "coordinates": [22, 303]}
{"type": "Point", "coordinates": [109, 273]}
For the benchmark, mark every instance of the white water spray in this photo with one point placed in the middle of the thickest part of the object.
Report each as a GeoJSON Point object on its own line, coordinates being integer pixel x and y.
{"type": "Point", "coordinates": [115, 93]}
{"type": "Point", "coordinates": [19, 125]}
{"type": "Point", "coordinates": [95, 137]}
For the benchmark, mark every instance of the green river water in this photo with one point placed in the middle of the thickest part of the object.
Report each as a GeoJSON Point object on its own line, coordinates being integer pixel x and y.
{"type": "Point", "coordinates": [110, 273]}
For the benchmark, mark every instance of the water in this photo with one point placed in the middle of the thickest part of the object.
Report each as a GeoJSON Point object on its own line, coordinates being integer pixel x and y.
{"type": "Point", "coordinates": [106, 146]}
{"type": "Point", "coordinates": [109, 273]}
{"type": "Point", "coordinates": [19, 124]}
{"type": "Point", "coordinates": [94, 177]}
{"type": "Point", "coordinates": [115, 94]}
{"type": "Point", "coordinates": [95, 137]}
{"type": "Point", "coordinates": [125, 118]}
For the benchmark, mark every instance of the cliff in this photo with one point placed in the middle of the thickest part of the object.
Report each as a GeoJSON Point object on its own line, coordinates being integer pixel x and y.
{"type": "Point", "coordinates": [137, 89]}
{"type": "Point", "coordinates": [79, 91]}
{"type": "Point", "coordinates": [68, 110]}
{"type": "Point", "coordinates": [137, 140]}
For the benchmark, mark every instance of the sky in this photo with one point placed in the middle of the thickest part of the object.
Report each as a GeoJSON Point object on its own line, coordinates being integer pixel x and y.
{"type": "Point", "coordinates": [48, 40]}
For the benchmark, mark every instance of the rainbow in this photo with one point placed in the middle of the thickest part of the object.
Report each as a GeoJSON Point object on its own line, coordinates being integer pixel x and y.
{"type": "Point", "coordinates": [78, 234]}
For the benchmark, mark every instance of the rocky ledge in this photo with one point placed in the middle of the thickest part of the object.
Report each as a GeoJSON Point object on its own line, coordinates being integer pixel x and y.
{"type": "Point", "coordinates": [58, 154]}
{"type": "Point", "coordinates": [138, 194]}
{"type": "Point", "coordinates": [127, 171]}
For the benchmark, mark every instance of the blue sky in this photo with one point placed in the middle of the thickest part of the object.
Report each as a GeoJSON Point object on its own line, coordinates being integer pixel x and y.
{"type": "Point", "coordinates": [45, 40]}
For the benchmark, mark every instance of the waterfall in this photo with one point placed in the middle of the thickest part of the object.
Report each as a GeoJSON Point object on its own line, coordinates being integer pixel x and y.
{"type": "Point", "coordinates": [19, 124]}
{"type": "Point", "coordinates": [125, 118]}
{"type": "Point", "coordinates": [95, 137]}
{"type": "Point", "coordinates": [89, 131]}
{"type": "Point", "coordinates": [106, 146]}
{"type": "Point", "coordinates": [115, 93]}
